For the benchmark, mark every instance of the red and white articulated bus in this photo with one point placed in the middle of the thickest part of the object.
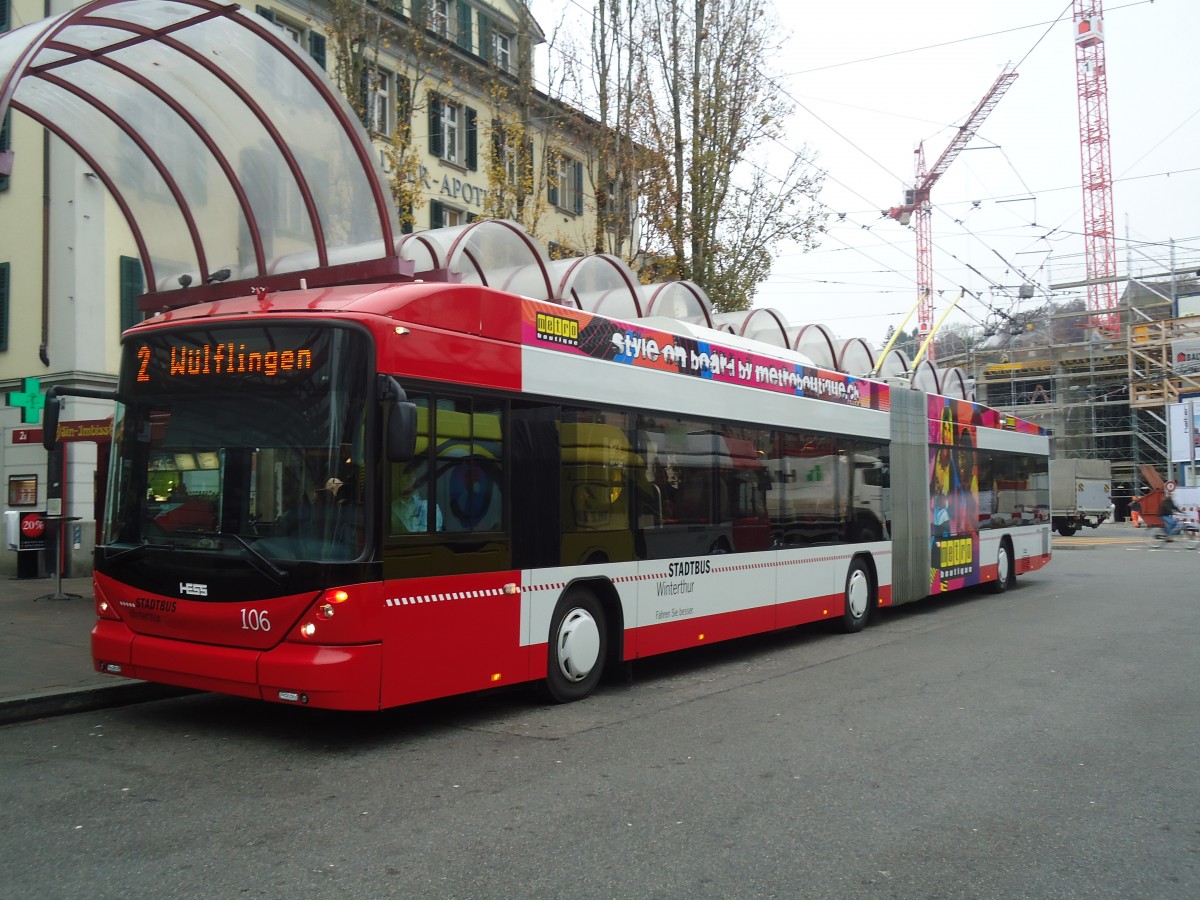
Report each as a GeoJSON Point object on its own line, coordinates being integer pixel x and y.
{"type": "Point", "coordinates": [363, 496]}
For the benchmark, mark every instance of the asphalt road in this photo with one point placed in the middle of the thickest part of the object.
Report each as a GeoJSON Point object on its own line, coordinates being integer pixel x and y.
{"type": "Point", "coordinates": [1037, 744]}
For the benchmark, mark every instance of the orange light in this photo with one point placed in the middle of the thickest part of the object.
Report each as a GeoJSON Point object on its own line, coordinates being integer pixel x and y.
{"type": "Point", "coordinates": [340, 597]}
{"type": "Point", "coordinates": [700, 637]}
{"type": "Point", "coordinates": [495, 676]}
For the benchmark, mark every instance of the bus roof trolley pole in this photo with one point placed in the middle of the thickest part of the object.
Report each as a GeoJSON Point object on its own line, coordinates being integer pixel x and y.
{"type": "Point", "coordinates": [54, 408]}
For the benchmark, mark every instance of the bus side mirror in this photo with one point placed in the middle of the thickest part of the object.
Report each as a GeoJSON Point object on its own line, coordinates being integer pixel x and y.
{"type": "Point", "coordinates": [400, 441]}
{"type": "Point", "coordinates": [402, 431]}
{"type": "Point", "coordinates": [50, 419]}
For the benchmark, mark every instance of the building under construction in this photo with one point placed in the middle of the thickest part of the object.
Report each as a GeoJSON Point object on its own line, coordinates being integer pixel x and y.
{"type": "Point", "coordinates": [1102, 393]}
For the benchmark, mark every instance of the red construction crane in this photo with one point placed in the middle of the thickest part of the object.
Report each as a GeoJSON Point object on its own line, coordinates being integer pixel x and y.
{"type": "Point", "coordinates": [917, 200]}
{"type": "Point", "coordinates": [1099, 243]}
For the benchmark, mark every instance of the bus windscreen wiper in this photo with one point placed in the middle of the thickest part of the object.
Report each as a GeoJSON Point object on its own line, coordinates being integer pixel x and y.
{"type": "Point", "coordinates": [257, 559]}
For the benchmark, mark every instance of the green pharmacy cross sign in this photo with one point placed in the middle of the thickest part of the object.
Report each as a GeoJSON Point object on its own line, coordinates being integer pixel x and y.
{"type": "Point", "coordinates": [31, 400]}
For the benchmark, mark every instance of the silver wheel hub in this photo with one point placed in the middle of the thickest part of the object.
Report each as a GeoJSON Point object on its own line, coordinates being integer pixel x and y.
{"type": "Point", "coordinates": [578, 645]}
{"type": "Point", "coordinates": [858, 593]}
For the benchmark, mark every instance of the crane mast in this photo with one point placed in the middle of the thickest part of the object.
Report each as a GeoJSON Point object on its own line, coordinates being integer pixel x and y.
{"type": "Point", "coordinates": [1096, 163]}
{"type": "Point", "coordinates": [917, 200]}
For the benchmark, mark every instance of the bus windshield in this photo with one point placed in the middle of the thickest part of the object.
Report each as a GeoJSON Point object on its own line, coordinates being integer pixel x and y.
{"type": "Point", "coordinates": [242, 440]}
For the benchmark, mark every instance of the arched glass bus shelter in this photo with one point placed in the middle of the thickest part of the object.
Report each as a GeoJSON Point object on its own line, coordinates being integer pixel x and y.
{"type": "Point", "coordinates": [227, 150]}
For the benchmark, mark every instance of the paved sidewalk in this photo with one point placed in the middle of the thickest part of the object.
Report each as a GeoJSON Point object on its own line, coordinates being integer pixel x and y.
{"type": "Point", "coordinates": [45, 653]}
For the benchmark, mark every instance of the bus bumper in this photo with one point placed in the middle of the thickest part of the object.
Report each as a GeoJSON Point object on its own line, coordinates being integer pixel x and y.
{"type": "Point", "coordinates": [346, 678]}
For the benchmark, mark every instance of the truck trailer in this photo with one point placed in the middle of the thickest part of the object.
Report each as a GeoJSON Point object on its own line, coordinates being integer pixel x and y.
{"type": "Point", "coordinates": [1080, 494]}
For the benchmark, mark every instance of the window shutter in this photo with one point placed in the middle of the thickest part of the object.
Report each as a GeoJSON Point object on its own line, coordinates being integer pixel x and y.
{"type": "Point", "coordinates": [364, 93]}
{"type": "Point", "coordinates": [133, 285]}
{"type": "Point", "coordinates": [436, 214]}
{"type": "Point", "coordinates": [464, 26]}
{"type": "Point", "coordinates": [404, 106]}
{"type": "Point", "coordinates": [578, 187]}
{"type": "Point", "coordinates": [497, 140]}
{"type": "Point", "coordinates": [3, 306]}
{"type": "Point", "coordinates": [472, 140]}
{"type": "Point", "coordinates": [3, 16]}
{"type": "Point", "coordinates": [5, 136]}
{"type": "Point", "coordinates": [553, 164]}
{"type": "Point", "coordinates": [268, 14]}
{"type": "Point", "coordinates": [316, 48]}
{"type": "Point", "coordinates": [485, 38]}
{"type": "Point", "coordinates": [435, 127]}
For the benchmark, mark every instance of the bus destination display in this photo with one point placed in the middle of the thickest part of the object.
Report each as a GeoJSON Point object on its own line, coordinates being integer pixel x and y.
{"type": "Point", "coordinates": [240, 356]}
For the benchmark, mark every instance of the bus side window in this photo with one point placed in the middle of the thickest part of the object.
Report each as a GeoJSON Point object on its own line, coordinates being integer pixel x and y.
{"type": "Point", "coordinates": [409, 497]}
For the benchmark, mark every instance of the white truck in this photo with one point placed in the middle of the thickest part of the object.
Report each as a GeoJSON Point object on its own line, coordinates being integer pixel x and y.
{"type": "Point", "coordinates": [1080, 493]}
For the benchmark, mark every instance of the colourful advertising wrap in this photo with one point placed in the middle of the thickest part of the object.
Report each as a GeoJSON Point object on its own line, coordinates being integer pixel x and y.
{"type": "Point", "coordinates": [958, 507]}
{"type": "Point", "coordinates": [582, 334]}
{"type": "Point", "coordinates": [954, 490]}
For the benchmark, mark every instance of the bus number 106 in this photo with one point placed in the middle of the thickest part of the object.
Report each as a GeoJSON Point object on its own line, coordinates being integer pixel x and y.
{"type": "Point", "coordinates": [255, 620]}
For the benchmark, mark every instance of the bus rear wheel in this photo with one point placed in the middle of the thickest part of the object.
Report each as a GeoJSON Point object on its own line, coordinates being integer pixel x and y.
{"type": "Point", "coordinates": [860, 592]}
{"type": "Point", "coordinates": [1004, 569]}
{"type": "Point", "coordinates": [578, 646]}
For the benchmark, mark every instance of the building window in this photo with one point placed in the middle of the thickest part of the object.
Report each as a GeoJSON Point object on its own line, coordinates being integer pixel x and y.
{"type": "Point", "coordinates": [443, 216]}
{"type": "Point", "coordinates": [439, 18]}
{"type": "Point", "coordinates": [502, 51]}
{"type": "Point", "coordinates": [3, 16]}
{"type": "Point", "coordinates": [133, 285]}
{"type": "Point", "coordinates": [566, 184]}
{"type": "Point", "coordinates": [448, 126]}
{"type": "Point", "coordinates": [3, 306]}
{"type": "Point", "coordinates": [508, 152]}
{"type": "Point", "coordinates": [506, 148]}
{"type": "Point", "coordinates": [377, 101]}
{"type": "Point", "coordinates": [452, 133]}
{"type": "Point", "coordinates": [308, 40]}
{"type": "Point", "coordinates": [618, 206]}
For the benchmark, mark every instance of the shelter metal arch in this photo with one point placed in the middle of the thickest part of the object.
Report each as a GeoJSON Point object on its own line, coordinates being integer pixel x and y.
{"type": "Point", "coordinates": [225, 147]}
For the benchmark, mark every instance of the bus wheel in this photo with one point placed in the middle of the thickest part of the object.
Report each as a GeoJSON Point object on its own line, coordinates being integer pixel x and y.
{"type": "Point", "coordinates": [1004, 569]}
{"type": "Point", "coordinates": [578, 646]}
{"type": "Point", "coordinates": [859, 591]}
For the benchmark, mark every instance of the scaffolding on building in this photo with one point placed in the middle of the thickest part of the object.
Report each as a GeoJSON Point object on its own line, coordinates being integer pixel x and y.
{"type": "Point", "coordinates": [1101, 394]}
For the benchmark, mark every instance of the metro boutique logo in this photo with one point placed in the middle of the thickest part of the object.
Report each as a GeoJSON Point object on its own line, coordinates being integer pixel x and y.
{"type": "Point", "coordinates": [557, 329]}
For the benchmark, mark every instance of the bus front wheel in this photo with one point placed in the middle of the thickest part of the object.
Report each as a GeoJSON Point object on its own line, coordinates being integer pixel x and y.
{"type": "Point", "coordinates": [578, 646]}
{"type": "Point", "coordinates": [859, 594]}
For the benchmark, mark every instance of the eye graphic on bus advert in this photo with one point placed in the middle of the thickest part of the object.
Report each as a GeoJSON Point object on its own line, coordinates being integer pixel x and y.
{"type": "Point", "coordinates": [245, 440]}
